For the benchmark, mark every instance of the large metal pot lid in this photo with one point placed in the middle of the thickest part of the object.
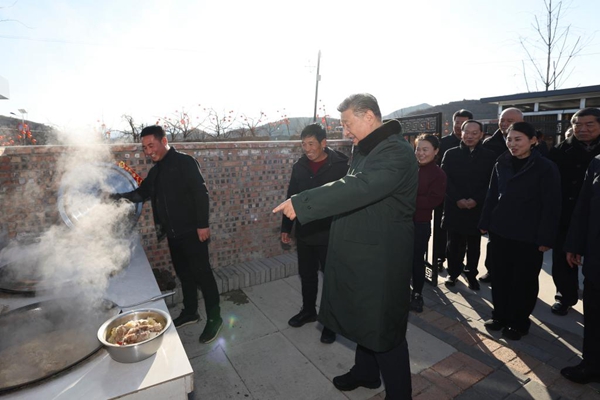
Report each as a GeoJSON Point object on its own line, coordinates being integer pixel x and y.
{"type": "Point", "coordinates": [82, 187]}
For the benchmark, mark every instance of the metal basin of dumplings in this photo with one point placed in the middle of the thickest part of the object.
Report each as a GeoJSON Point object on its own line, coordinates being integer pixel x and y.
{"type": "Point", "coordinates": [131, 353]}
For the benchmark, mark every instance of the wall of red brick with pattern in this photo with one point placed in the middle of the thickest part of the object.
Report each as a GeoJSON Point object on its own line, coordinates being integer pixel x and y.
{"type": "Point", "coordinates": [245, 181]}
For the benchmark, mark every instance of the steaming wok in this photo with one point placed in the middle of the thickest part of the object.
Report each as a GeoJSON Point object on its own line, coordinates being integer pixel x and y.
{"type": "Point", "coordinates": [24, 277]}
{"type": "Point", "coordinates": [45, 338]}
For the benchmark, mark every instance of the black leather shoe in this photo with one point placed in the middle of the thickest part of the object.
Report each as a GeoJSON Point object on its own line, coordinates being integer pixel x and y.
{"type": "Point", "coordinates": [559, 308]}
{"type": "Point", "coordinates": [302, 318]}
{"type": "Point", "coordinates": [416, 303]}
{"type": "Point", "coordinates": [347, 382]}
{"type": "Point", "coordinates": [581, 373]}
{"type": "Point", "coordinates": [512, 333]}
{"type": "Point", "coordinates": [327, 336]}
{"type": "Point", "coordinates": [211, 330]}
{"type": "Point", "coordinates": [185, 319]}
{"type": "Point", "coordinates": [486, 278]}
{"type": "Point", "coordinates": [450, 281]}
{"type": "Point", "coordinates": [440, 265]}
{"type": "Point", "coordinates": [473, 284]}
{"type": "Point", "coordinates": [493, 325]}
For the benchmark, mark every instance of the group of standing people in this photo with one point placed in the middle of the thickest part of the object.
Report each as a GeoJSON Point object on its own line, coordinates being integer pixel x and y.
{"type": "Point", "coordinates": [508, 187]}
{"type": "Point", "coordinates": [367, 219]}
{"type": "Point", "coordinates": [528, 200]}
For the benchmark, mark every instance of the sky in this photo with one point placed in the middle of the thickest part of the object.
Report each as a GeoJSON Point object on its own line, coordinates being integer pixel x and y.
{"type": "Point", "coordinates": [80, 63]}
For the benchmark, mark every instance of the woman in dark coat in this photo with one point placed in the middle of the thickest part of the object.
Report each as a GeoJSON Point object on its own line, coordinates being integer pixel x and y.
{"type": "Point", "coordinates": [521, 213]}
{"type": "Point", "coordinates": [430, 194]}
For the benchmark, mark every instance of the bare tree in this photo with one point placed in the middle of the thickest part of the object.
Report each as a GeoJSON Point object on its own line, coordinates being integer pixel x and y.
{"type": "Point", "coordinates": [133, 131]}
{"type": "Point", "coordinates": [271, 127]}
{"type": "Point", "coordinates": [219, 125]}
{"type": "Point", "coordinates": [250, 125]}
{"type": "Point", "coordinates": [553, 40]}
{"type": "Point", "coordinates": [181, 126]}
{"type": "Point", "coordinates": [12, 20]}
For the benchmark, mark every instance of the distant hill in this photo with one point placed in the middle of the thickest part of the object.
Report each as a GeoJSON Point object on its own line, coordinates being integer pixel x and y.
{"type": "Point", "coordinates": [403, 112]}
{"type": "Point", "coordinates": [43, 134]}
{"type": "Point", "coordinates": [481, 111]}
{"type": "Point", "coordinates": [292, 129]}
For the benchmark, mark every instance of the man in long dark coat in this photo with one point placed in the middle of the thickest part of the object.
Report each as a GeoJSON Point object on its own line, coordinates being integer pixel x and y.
{"type": "Point", "coordinates": [572, 156]}
{"type": "Point", "coordinates": [583, 240]}
{"type": "Point", "coordinates": [366, 292]}
{"type": "Point", "coordinates": [440, 236]}
{"type": "Point", "coordinates": [468, 169]}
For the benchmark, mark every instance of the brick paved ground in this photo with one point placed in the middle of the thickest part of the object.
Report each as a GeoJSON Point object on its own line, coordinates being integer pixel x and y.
{"type": "Point", "coordinates": [487, 366]}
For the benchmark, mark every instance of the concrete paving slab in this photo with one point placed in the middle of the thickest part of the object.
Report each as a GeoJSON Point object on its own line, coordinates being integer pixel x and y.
{"type": "Point", "coordinates": [242, 322]}
{"type": "Point", "coordinates": [498, 385]}
{"type": "Point", "coordinates": [424, 349]}
{"type": "Point", "coordinates": [331, 359]}
{"type": "Point", "coordinates": [295, 282]}
{"type": "Point", "coordinates": [535, 391]}
{"type": "Point", "coordinates": [272, 368]}
{"type": "Point", "coordinates": [277, 300]}
{"type": "Point", "coordinates": [215, 378]}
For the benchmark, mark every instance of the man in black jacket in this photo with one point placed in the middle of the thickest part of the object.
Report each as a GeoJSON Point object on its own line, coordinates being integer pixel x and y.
{"type": "Point", "coordinates": [583, 242]}
{"type": "Point", "coordinates": [440, 237]}
{"type": "Point", "coordinates": [497, 143]}
{"type": "Point", "coordinates": [319, 165]}
{"type": "Point", "coordinates": [468, 169]}
{"type": "Point", "coordinates": [179, 199]}
{"type": "Point", "coordinates": [572, 156]}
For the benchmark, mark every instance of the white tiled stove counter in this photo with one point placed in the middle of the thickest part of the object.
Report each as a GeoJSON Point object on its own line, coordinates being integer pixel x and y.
{"type": "Point", "coordinates": [166, 375]}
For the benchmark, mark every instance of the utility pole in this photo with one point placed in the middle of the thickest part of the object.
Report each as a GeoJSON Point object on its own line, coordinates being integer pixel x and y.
{"type": "Point", "coordinates": [317, 88]}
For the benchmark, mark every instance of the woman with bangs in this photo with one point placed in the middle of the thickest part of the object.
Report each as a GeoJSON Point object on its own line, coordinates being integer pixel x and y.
{"type": "Point", "coordinates": [430, 194]}
{"type": "Point", "coordinates": [521, 214]}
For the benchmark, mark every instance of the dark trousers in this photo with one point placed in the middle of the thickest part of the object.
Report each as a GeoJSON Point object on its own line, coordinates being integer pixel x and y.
{"type": "Point", "coordinates": [422, 234]}
{"type": "Point", "coordinates": [591, 322]}
{"type": "Point", "coordinates": [440, 236]}
{"type": "Point", "coordinates": [458, 245]}
{"type": "Point", "coordinates": [516, 268]}
{"type": "Point", "coordinates": [566, 279]}
{"type": "Point", "coordinates": [394, 366]}
{"type": "Point", "coordinates": [192, 266]}
{"type": "Point", "coordinates": [488, 256]}
{"type": "Point", "coordinates": [309, 259]}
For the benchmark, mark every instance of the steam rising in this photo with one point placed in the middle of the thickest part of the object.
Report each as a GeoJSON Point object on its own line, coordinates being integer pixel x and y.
{"type": "Point", "coordinates": [82, 257]}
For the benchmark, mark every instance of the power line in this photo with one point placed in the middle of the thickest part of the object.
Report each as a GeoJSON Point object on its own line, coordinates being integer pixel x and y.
{"type": "Point", "coordinates": [82, 43]}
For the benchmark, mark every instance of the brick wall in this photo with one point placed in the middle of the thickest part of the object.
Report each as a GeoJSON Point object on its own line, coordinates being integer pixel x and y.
{"type": "Point", "coordinates": [245, 181]}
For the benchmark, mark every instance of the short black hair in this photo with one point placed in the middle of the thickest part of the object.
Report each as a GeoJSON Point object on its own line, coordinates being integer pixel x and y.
{"type": "Point", "coordinates": [156, 130]}
{"type": "Point", "coordinates": [586, 112]}
{"type": "Point", "coordinates": [315, 130]}
{"type": "Point", "coordinates": [428, 137]}
{"type": "Point", "coordinates": [471, 121]}
{"type": "Point", "coordinates": [462, 113]}
{"type": "Point", "coordinates": [524, 127]}
{"type": "Point", "coordinates": [360, 103]}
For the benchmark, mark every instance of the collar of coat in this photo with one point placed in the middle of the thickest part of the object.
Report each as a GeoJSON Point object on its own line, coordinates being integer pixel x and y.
{"type": "Point", "coordinates": [498, 136]}
{"type": "Point", "coordinates": [386, 130]}
{"type": "Point", "coordinates": [466, 149]}
{"type": "Point", "coordinates": [572, 141]}
{"type": "Point", "coordinates": [168, 156]}
{"type": "Point", "coordinates": [333, 156]}
{"type": "Point", "coordinates": [505, 160]}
